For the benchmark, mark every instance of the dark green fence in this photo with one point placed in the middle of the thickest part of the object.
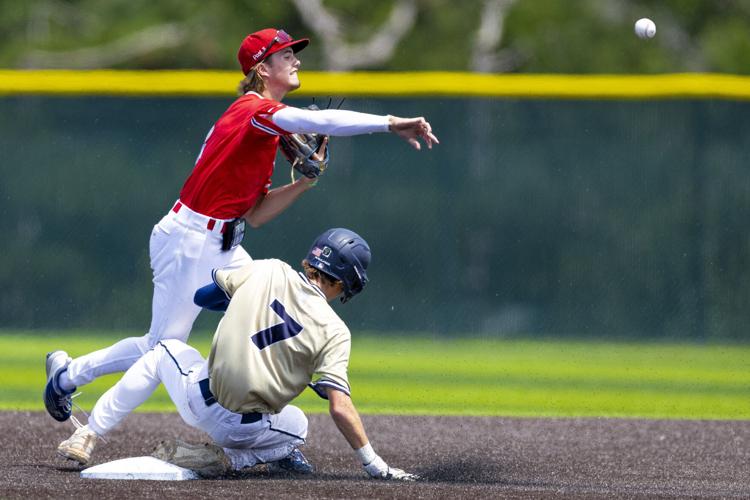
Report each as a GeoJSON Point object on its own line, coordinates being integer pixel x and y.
{"type": "Point", "coordinates": [532, 217]}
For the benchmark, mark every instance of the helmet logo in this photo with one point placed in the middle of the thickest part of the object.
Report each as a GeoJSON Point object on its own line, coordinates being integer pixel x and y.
{"type": "Point", "coordinates": [321, 252]}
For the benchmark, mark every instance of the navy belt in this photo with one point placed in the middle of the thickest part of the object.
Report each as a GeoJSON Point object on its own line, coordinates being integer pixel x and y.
{"type": "Point", "coordinates": [209, 399]}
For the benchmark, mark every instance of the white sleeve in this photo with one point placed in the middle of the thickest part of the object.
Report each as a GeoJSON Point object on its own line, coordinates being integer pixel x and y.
{"type": "Point", "coordinates": [336, 122]}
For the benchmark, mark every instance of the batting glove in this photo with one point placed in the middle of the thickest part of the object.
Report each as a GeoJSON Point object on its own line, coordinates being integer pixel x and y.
{"type": "Point", "coordinates": [378, 469]}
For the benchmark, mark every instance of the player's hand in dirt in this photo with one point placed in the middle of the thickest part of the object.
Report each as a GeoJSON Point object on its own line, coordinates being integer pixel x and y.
{"type": "Point", "coordinates": [400, 475]}
{"type": "Point", "coordinates": [378, 469]}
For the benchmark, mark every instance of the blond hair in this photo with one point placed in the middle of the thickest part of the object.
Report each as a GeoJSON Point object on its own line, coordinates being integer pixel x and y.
{"type": "Point", "coordinates": [252, 82]}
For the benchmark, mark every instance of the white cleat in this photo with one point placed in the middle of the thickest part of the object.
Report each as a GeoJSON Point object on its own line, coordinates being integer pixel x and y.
{"type": "Point", "coordinates": [79, 446]}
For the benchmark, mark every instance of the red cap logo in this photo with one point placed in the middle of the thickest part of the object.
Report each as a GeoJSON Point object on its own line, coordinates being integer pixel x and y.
{"type": "Point", "coordinates": [261, 44]}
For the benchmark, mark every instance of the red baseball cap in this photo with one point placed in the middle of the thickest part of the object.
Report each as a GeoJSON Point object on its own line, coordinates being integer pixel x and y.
{"type": "Point", "coordinates": [261, 44]}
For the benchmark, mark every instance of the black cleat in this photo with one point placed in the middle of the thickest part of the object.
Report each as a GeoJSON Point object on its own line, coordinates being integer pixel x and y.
{"type": "Point", "coordinates": [294, 462]}
{"type": "Point", "coordinates": [58, 402]}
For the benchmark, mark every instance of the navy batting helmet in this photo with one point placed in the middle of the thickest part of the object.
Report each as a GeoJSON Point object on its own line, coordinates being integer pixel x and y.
{"type": "Point", "coordinates": [343, 255]}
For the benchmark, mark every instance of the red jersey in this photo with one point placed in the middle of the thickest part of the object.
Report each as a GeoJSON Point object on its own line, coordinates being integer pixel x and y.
{"type": "Point", "coordinates": [235, 164]}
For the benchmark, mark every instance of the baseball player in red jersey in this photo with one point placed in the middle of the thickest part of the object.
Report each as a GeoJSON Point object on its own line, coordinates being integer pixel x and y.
{"type": "Point", "coordinates": [229, 184]}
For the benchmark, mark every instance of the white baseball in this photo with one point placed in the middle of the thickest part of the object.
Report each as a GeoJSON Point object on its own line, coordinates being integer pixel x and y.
{"type": "Point", "coordinates": [645, 28]}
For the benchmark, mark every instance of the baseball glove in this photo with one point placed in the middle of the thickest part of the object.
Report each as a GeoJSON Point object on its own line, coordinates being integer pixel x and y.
{"type": "Point", "coordinates": [303, 151]}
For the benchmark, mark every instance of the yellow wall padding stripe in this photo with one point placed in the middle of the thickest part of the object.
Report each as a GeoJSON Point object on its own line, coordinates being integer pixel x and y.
{"type": "Point", "coordinates": [380, 84]}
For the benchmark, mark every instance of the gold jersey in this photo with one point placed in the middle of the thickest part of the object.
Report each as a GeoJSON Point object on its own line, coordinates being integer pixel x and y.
{"type": "Point", "coordinates": [276, 335]}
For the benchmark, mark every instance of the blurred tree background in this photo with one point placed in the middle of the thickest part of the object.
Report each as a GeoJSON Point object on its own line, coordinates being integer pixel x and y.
{"type": "Point", "coordinates": [552, 217]}
{"type": "Point", "coordinates": [545, 36]}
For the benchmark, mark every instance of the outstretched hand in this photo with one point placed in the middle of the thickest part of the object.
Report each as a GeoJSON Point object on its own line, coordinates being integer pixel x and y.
{"type": "Point", "coordinates": [400, 475]}
{"type": "Point", "coordinates": [378, 469]}
{"type": "Point", "coordinates": [412, 129]}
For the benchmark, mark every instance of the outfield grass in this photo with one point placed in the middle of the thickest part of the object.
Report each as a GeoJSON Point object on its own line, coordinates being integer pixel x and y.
{"type": "Point", "coordinates": [408, 375]}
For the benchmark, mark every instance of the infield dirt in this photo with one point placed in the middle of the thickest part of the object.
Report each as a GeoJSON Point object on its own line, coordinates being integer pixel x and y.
{"type": "Point", "coordinates": [458, 457]}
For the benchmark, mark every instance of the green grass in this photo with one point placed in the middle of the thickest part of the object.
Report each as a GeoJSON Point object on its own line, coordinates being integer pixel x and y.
{"type": "Point", "coordinates": [420, 375]}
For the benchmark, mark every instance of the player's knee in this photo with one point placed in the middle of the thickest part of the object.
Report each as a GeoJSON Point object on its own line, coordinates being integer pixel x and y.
{"type": "Point", "coordinates": [172, 346]}
{"type": "Point", "coordinates": [174, 356]}
{"type": "Point", "coordinates": [297, 420]}
{"type": "Point", "coordinates": [144, 343]}
{"type": "Point", "coordinates": [176, 351]}
{"type": "Point", "coordinates": [160, 350]}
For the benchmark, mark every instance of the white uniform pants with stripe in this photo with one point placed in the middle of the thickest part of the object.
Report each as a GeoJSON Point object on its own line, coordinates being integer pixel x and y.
{"type": "Point", "coordinates": [183, 252]}
{"type": "Point", "coordinates": [180, 368]}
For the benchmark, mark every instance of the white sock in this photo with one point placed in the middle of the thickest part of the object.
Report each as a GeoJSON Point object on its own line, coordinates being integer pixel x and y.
{"type": "Point", "coordinates": [64, 382]}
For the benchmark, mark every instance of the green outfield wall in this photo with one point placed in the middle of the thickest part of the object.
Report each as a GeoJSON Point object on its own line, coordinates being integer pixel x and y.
{"type": "Point", "coordinates": [556, 213]}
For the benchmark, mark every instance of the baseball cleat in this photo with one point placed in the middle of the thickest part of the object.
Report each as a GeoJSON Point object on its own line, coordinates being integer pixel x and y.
{"type": "Point", "coordinates": [208, 460]}
{"type": "Point", "coordinates": [294, 462]}
{"type": "Point", "coordinates": [57, 401]}
{"type": "Point", "coordinates": [79, 446]}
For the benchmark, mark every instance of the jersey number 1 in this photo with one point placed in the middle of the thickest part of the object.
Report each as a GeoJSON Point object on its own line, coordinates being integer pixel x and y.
{"type": "Point", "coordinates": [286, 330]}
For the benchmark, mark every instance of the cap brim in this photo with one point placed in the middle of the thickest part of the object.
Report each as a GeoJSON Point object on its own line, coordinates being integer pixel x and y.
{"type": "Point", "coordinates": [300, 44]}
{"type": "Point", "coordinates": [296, 46]}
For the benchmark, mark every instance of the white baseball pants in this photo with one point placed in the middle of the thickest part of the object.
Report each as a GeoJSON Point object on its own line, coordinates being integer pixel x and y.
{"type": "Point", "coordinates": [181, 368]}
{"type": "Point", "coordinates": [184, 247]}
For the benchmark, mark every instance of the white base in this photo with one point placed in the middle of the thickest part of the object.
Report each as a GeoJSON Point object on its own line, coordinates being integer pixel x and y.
{"type": "Point", "coordinates": [148, 468]}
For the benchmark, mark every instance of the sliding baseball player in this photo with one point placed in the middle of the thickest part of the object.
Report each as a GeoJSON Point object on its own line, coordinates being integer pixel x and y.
{"type": "Point", "coordinates": [278, 333]}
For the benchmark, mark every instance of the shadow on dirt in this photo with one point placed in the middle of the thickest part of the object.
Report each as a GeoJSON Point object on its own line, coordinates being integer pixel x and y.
{"type": "Point", "coordinates": [474, 470]}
